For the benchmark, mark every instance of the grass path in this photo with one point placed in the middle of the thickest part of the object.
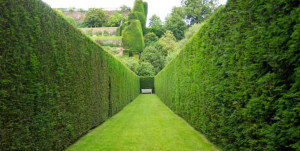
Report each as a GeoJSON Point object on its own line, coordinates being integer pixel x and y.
{"type": "Point", "coordinates": [144, 125]}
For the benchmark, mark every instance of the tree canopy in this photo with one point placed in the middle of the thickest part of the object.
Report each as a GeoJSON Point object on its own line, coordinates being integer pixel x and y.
{"type": "Point", "coordinates": [196, 11]}
{"type": "Point", "coordinates": [116, 19]}
{"type": "Point", "coordinates": [155, 21]}
{"type": "Point", "coordinates": [176, 24]}
{"type": "Point", "coordinates": [95, 17]}
{"type": "Point", "coordinates": [153, 56]}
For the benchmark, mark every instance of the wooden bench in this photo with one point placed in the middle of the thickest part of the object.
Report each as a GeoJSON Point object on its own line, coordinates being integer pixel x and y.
{"type": "Point", "coordinates": [146, 91]}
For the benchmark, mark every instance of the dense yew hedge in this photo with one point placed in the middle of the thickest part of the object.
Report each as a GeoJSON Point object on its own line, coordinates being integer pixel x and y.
{"type": "Point", "coordinates": [141, 9]}
{"type": "Point", "coordinates": [56, 83]}
{"type": "Point", "coordinates": [238, 79]}
{"type": "Point", "coordinates": [132, 31]}
{"type": "Point", "coordinates": [147, 83]}
{"type": "Point", "coordinates": [132, 36]}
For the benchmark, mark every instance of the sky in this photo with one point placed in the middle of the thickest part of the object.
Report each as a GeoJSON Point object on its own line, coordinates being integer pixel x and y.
{"type": "Point", "coordinates": [159, 7]}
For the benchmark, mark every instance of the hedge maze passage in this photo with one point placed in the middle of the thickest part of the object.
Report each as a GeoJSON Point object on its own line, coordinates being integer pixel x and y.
{"type": "Point", "coordinates": [236, 81]}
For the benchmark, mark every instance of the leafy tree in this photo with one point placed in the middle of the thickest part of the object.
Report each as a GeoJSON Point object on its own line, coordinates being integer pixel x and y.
{"type": "Point", "coordinates": [197, 11]}
{"type": "Point", "coordinates": [150, 38]}
{"type": "Point", "coordinates": [116, 19]}
{"type": "Point", "coordinates": [130, 62]}
{"type": "Point", "coordinates": [176, 24]}
{"type": "Point", "coordinates": [125, 8]}
{"type": "Point", "coordinates": [167, 42]}
{"type": "Point", "coordinates": [179, 11]}
{"type": "Point", "coordinates": [153, 56]}
{"type": "Point", "coordinates": [71, 9]}
{"type": "Point", "coordinates": [95, 17]}
{"type": "Point", "coordinates": [145, 69]}
{"type": "Point", "coordinates": [81, 10]}
{"type": "Point", "coordinates": [155, 21]}
{"type": "Point", "coordinates": [157, 30]}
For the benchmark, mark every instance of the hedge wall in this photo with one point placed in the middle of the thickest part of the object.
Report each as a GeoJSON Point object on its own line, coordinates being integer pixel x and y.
{"type": "Point", "coordinates": [141, 9]}
{"type": "Point", "coordinates": [147, 83]}
{"type": "Point", "coordinates": [56, 83]}
{"type": "Point", "coordinates": [132, 36]}
{"type": "Point", "coordinates": [238, 79]}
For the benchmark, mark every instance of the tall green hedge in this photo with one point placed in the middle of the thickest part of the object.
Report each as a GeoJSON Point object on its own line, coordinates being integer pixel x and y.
{"type": "Point", "coordinates": [56, 83]}
{"type": "Point", "coordinates": [132, 36]}
{"type": "Point", "coordinates": [238, 79]}
{"type": "Point", "coordinates": [147, 83]}
{"type": "Point", "coordinates": [141, 9]}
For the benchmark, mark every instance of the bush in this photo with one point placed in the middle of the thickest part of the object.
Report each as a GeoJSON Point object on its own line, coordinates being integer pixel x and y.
{"type": "Point", "coordinates": [80, 25]}
{"type": "Point", "coordinates": [150, 38]}
{"type": "Point", "coordinates": [237, 80]}
{"type": "Point", "coordinates": [56, 83]}
{"type": "Point", "coordinates": [153, 56]}
{"type": "Point", "coordinates": [145, 69]}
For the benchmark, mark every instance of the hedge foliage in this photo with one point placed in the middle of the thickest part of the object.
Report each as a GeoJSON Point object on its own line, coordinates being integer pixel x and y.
{"type": "Point", "coordinates": [147, 83]}
{"type": "Point", "coordinates": [238, 79]}
{"type": "Point", "coordinates": [56, 83]}
{"type": "Point", "coordinates": [141, 9]}
{"type": "Point", "coordinates": [132, 36]}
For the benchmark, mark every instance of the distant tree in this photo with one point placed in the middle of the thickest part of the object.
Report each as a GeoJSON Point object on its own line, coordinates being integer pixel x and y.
{"type": "Point", "coordinates": [150, 38]}
{"type": "Point", "coordinates": [145, 69]}
{"type": "Point", "coordinates": [71, 9]}
{"type": "Point", "coordinates": [130, 62]}
{"type": "Point", "coordinates": [81, 10]}
{"type": "Point", "coordinates": [153, 56]}
{"type": "Point", "coordinates": [95, 17]}
{"type": "Point", "coordinates": [125, 8]}
{"type": "Point", "coordinates": [197, 11]}
{"type": "Point", "coordinates": [167, 42]}
{"type": "Point", "coordinates": [176, 24]}
{"type": "Point", "coordinates": [157, 30]}
{"type": "Point", "coordinates": [155, 21]}
{"type": "Point", "coordinates": [115, 20]}
{"type": "Point", "coordinates": [179, 11]}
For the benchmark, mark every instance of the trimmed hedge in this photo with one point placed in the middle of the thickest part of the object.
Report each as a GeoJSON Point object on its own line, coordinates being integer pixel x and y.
{"type": "Point", "coordinates": [238, 79]}
{"type": "Point", "coordinates": [132, 36]}
{"type": "Point", "coordinates": [140, 9]}
{"type": "Point", "coordinates": [147, 83]}
{"type": "Point", "coordinates": [56, 83]}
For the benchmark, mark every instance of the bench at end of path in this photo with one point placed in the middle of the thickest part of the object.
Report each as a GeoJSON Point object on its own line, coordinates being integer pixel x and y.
{"type": "Point", "coordinates": [146, 91]}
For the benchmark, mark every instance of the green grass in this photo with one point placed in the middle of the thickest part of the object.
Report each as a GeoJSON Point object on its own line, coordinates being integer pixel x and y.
{"type": "Point", "coordinates": [107, 38]}
{"type": "Point", "coordinates": [144, 125]}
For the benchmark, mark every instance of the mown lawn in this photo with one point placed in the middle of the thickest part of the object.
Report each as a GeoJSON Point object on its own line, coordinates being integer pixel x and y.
{"type": "Point", "coordinates": [144, 125]}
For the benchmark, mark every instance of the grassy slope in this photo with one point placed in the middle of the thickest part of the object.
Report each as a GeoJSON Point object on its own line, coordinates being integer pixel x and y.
{"type": "Point", "coordinates": [145, 124]}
